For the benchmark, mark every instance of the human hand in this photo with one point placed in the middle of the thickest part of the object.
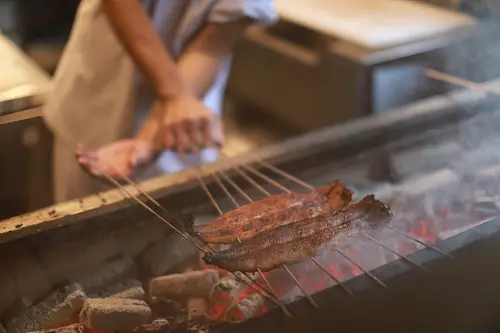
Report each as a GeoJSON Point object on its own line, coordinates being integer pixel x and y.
{"type": "Point", "coordinates": [188, 125]}
{"type": "Point", "coordinates": [118, 158]}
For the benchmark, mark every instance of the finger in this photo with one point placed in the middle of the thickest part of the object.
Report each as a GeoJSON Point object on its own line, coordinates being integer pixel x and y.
{"type": "Point", "coordinates": [143, 152]}
{"type": "Point", "coordinates": [80, 151]}
{"type": "Point", "coordinates": [194, 128]}
{"type": "Point", "coordinates": [79, 148]}
{"type": "Point", "coordinates": [118, 171]}
{"type": "Point", "coordinates": [169, 136]}
{"type": "Point", "coordinates": [207, 137]}
{"type": "Point", "coordinates": [217, 132]}
{"type": "Point", "coordinates": [181, 138]}
{"type": "Point", "coordinates": [92, 169]}
{"type": "Point", "coordinates": [83, 152]}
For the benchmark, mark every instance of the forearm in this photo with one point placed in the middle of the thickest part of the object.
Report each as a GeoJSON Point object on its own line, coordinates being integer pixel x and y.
{"type": "Point", "coordinates": [205, 55]}
{"type": "Point", "coordinates": [139, 37]}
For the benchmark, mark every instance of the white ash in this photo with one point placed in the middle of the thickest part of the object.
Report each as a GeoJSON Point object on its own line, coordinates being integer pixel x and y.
{"type": "Point", "coordinates": [55, 310]}
{"type": "Point", "coordinates": [226, 290]}
{"type": "Point", "coordinates": [75, 328]}
{"type": "Point", "coordinates": [22, 276]}
{"type": "Point", "coordinates": [18, 307]}
{"type": "Point", "coordinates": [166, 254]}
{"type": "Point", "coordinates": [94, 279]}
{"type": "Point", "coordinates": [62, 260]}
{"type": "Point", "coordinates": [131, 289]}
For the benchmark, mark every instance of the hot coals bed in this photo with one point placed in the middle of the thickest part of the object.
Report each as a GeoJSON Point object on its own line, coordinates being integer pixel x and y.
{"type": "Point", "coordinates": [435, 163]}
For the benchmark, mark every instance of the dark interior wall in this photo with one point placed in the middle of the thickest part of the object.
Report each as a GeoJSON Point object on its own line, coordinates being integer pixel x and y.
{"type": "Point", "coordinates": [34, 21]}
{"type": "Point", "coordinates": [47, 18]}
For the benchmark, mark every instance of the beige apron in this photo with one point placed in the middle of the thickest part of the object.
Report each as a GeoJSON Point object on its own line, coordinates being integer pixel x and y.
{"type": "Point", "coordinates": [98, 97]}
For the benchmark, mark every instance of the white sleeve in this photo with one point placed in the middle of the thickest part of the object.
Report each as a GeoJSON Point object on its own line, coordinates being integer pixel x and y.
{"type": "Point", "coordinates": [261, 11]}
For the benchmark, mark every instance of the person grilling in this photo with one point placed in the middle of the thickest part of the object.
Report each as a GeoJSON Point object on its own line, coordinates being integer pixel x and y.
{"type": "Point", "coordinates": [139, 84]}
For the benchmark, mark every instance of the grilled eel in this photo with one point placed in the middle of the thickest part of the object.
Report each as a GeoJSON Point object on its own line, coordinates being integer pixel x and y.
{"type": "Point", "coordinates": [299, 241]}
{"type": "Point", "coordinates": [249, 220]}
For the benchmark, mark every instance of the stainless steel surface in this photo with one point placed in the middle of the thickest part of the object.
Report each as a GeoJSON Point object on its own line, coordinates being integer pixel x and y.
{"type": "Point", "coordinates": [25, 172]}
{"type": "Point", "coordinates": [308, 80]}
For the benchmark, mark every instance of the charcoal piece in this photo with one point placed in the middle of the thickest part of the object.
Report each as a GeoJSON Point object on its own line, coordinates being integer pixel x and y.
{"type": "Point", "coordinates": [131, 289]}
{"type": "Point", "coordinates": [196, 319]}
{"type": "Point", "coordinates": [106, 274]}
{"type": "Point", "coordinates": [180, 324]}
{"type": "Point", "coordinates": [114, 313]}
{"type": "Point", "coordinates": [197, 308]}
{"type": "Point", "coordinates": [161, 323]}
{"type": "Point", "coordinates": [226, 290]}
{"type": "Point", "coordinates": [75, 328]}
{"type": "Point", "coordinates": [191, 284]}
{"type": "Point", "coordinates": [57, 309]}
{"type": "Point", "coordinates": [165, 308]}
{"type": "Point", "coordinates": [165, 255]}
{"type": "Point", "coordinates": [245, 308]}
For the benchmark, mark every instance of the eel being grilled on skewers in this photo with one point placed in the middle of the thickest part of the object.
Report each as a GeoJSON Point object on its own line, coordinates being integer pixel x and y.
{"type": "Point", "coordinates": [299, 241]}
{"type": "Point", "coordinates": [249, 220]}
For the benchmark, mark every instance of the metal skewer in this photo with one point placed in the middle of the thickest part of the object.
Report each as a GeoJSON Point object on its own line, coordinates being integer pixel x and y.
{"type": "Point", "coordinates": [297, 282]}
{"type": "Point", "coordinates": [236, 187]}
{"type": "Point", "coordinates": [225, 190]}
{"type": "Point", "coordinates": [420, 242]}
{"type": "Point", "coordinates": [274, 298]}
{"type": "Point", "coordinates": [271, 289]}
{"type": "Point", "coordinates": [127, 193]}
{"type": "Point", "coordinates": [394, 252]}
{"type": "Point", "coordinates": [240, 190]}
{"type": "Point", "coordinates": [376, 279]}
{"type": "Point", "coordinates": [286, 175]}
{"type": "Point", "coordinates": [139, 201]}
{"type": "Point", "coordinates": [252, 181]}
{"type": "Point", "coordinates": [332, 276]}
{"type": "Point", "coordinates": [335, 248]}
{"type": "Point", "coordinates": [310, 299]}
{"type": "Point", "coordinates": [266, 178]}
{"type": "Point", "coordinates": [138, 188]}
{"type": "Point", "coordinates": [440, 76]}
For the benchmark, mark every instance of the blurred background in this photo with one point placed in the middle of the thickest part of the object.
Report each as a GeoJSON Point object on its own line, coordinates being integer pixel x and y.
{"type": "Point", "coordinates": [325, 62]}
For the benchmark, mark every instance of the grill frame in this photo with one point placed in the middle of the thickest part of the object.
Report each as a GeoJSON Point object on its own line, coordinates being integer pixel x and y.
{"type": "Point", "coordinates": [181, 192]}
{"type": "Point", "coordinates": [450, 298]}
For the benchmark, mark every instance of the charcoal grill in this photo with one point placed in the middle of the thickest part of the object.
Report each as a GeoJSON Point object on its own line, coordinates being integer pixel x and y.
{"type": "Point", "coordinates": [366, 155]}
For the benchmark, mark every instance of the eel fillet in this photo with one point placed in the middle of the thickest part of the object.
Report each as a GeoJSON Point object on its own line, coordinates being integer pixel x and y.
{"type": "Point", "coordinates": [250, 220]}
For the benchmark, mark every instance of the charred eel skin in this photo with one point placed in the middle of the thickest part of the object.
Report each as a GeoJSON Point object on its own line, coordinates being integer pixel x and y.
{"type": "Point", "coordinates": [250, 220]}
{"type": "Point", "coordinates": [300, 240]}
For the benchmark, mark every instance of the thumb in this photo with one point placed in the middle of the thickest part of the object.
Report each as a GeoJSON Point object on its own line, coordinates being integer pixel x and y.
{"type": "Point", "coordinates": [142, 153]}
